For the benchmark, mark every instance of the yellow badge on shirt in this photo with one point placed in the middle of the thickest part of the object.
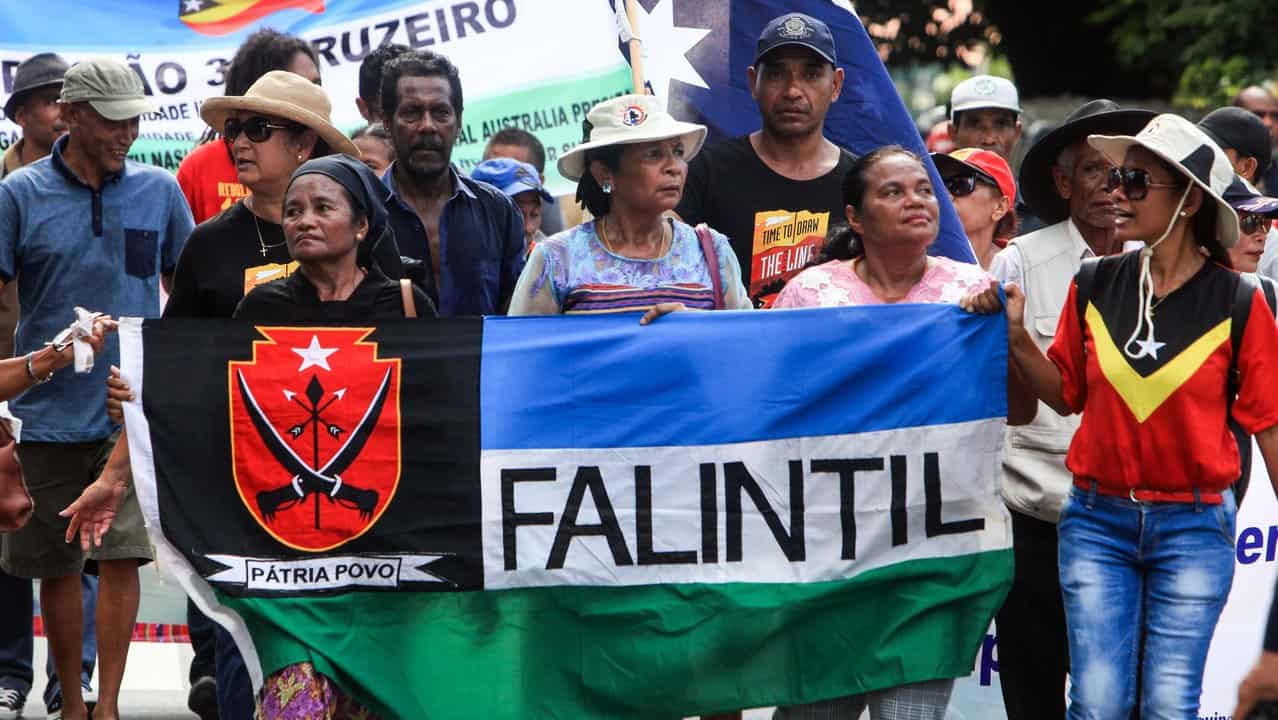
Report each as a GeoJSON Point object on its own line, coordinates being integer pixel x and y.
{"type": "Point", "coordinates": [261, 274]}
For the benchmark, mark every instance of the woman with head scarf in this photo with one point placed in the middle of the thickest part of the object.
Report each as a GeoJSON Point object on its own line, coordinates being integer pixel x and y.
{"type": "Point", "coordinates": [1158, 349]}
{"type": "Point", "coordinates": [333, 218]}
{"type": "Point", "coordinates": [632, 257]}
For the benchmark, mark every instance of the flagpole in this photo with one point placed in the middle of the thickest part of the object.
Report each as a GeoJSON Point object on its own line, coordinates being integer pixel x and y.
{"type": "Point", "coordinates": [636, 47]}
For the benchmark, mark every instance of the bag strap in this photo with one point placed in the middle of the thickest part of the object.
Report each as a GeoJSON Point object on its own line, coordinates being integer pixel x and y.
{"type": "Point", "coordinates": [712, 261]}
{"type": "Point", "coordinates": [1247, 286]}
{"type": "Point", "coordinates": [1084, 285]}
{"type": "Point", "coordinates": [406, 294]}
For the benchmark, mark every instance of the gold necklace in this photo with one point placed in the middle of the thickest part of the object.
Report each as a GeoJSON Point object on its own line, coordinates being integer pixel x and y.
{"type": "Point", "coordinates": [661, 247]}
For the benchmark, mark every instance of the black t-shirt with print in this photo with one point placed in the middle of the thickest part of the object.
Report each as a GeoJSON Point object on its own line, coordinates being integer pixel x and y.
{"type": "Point", "coordinates": [223, 260]}
{"type": "Point", "coordinates": [776, 225]}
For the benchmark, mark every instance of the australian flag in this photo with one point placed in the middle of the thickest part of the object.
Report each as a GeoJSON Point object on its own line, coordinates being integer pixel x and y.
{"type": "Point", "coordinates": [697, 52]}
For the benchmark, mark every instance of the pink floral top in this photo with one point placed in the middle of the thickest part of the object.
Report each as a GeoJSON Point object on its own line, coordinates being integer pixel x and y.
{"type": "Point", "coordinates": [835, 283]}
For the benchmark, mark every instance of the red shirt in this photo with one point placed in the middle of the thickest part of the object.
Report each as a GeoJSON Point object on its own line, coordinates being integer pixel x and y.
{"type": "Point", "coordinates": [209, 181]}
{"type": "Point", "coordinates": [1158, 422]}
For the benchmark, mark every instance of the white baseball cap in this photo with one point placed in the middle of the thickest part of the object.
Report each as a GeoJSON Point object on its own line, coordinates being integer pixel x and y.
{"type": "Point", "coordinates": [984, 91]}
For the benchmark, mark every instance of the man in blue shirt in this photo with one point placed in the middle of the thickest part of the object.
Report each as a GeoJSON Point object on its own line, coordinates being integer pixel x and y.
{"type": "Point", "coordinates": [468, 234]}
{"type": "Point", "coordinates": [84, 227]}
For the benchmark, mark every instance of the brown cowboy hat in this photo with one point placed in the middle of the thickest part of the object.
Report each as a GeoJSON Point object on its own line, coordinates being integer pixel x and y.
{"type": "Point", "coordinates": [1095, 117]}
{"type": "Point", "coordinates": [287, 96]}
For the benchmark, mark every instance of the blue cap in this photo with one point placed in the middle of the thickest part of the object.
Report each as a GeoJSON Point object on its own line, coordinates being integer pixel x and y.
{"type": "Point", "coordinates": [797, 29]}
{"type": "Point", "coordinates": [1243, 197]}
{"type": "Point", "coordinates": [511, 177]}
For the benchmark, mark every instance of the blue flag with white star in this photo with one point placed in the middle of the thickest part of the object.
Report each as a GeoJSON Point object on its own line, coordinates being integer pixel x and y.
{"type": "Point", "coordinates": [696, 58]}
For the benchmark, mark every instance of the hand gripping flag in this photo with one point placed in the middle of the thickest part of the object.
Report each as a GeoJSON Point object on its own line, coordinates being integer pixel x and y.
{"type": "Point", "coordinates": [581, 517]}
{"type": "Point", "coordinates": [695, 57]}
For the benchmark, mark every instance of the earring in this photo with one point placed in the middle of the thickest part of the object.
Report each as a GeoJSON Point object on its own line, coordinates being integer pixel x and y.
{"type": "Point", "coordinates": [359, 236]}
{"type": "Point", "coordinates": [1183, 213]}
{"type": "Point", "coordinates": [299, 157]}
{"type": "Point", "coordinates": [607, 188]}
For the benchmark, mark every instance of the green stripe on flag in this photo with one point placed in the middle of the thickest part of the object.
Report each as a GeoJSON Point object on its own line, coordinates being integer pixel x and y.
{"type": "Point", "coordinates": [638, 652]}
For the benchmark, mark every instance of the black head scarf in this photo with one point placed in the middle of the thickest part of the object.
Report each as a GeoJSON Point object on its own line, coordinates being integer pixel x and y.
{"type": "Point", "coordinates": [363, 187]}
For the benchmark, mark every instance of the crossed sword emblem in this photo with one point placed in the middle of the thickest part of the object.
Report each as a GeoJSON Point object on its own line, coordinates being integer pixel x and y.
{"type": "Point", "coordinates": [327, 480]}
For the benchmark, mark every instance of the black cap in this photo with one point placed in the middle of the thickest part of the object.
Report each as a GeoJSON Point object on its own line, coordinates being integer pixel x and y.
{"type": "Point", "coordinates": [797, 29]}
{"type": "Point", "coordinates": [1240, 130]}
{"type": "Point", "coordinates": [36, 71]}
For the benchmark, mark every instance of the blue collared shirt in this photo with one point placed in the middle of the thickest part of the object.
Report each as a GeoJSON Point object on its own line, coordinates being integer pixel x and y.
{"type": "Point", "coordinates": [68, 244]}
{"type": "Point", "coordinates": [481, 241]}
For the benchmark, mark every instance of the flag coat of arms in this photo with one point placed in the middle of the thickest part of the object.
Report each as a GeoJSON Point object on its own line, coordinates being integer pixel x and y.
{"type": "Point", "coordinates": [581, 517]}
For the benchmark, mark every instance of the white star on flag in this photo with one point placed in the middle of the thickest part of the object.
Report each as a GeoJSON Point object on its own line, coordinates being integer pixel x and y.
{"type": "Point", "coordinates": [664, 48]}
{"type": "Point", "coordinates": [314, 355]}
{"type": "Point", "coordinates": [193, 5]}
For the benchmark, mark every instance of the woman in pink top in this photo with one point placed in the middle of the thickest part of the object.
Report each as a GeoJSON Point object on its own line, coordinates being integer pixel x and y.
{"type": "Point", "coordinates": [881, 257]}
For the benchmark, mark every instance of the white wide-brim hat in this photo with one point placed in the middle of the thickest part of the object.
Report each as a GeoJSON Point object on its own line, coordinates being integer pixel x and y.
{"type": "Point", "coordinates": [627, 120]}
{"type": "Point", "coordinates": [284, 95]}
{"type": "Point", "coordinates": [1188, 149]}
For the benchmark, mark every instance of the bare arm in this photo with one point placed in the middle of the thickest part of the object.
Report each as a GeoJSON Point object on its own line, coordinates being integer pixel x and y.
{"type": "Point", "coordinates": [1029, 370]}
{"type": "Point", "coordinates": [1040, 375]}
{"type": "Point", "coordinates": [1268, 442]}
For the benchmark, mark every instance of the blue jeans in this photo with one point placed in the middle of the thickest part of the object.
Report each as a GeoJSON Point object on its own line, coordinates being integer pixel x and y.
{"type": "Point", "coordinates": [1131, 570]}
{"type": "Point", "coordinates": [16, 609]}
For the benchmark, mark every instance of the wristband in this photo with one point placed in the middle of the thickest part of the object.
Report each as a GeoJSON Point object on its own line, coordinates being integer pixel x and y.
{"type": "Point", "coordinates": [31, 372]}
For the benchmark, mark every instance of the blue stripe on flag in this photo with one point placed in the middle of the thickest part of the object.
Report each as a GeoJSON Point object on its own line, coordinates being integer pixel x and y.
{"type": "Point", "coordinates": [724, 377]}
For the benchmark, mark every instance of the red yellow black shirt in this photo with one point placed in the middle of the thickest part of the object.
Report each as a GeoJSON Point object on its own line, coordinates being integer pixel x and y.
{"type": "Point", "coordinates": [1158, 422]}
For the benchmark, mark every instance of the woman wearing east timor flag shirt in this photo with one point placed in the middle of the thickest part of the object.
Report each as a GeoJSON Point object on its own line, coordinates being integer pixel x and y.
{"type": "Point", "coordinates": [1147, 536]}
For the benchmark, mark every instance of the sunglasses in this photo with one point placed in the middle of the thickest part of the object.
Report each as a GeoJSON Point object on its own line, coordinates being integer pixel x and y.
{"type": "Point", "coordinates": [258, 129]}
{"type": "Point", "coordinates": [963, 185]}
{"type": "Point", "coordinates": [1251, 224]}
{"type": "Point", "coordinates": [1136, 183]}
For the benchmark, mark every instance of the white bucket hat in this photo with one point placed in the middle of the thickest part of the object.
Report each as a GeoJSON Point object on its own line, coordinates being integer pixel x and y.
{"type": "Point", "coordinates": [626, 120]}
{"type": "Point", "coordinates": [1188, 149]}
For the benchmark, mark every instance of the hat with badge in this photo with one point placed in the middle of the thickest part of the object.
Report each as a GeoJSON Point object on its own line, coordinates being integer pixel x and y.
{"type": "Point", "coordinates": [626, 120]}
{"type": "Point", "coordinates": [984, 92]}
{"type": "Point", "coordinates": [796, 29]}
{"type": "Point", "coordinates": [109, 86]}
{"type": "Point", "coordinates": [511, 177]}
{"type": "Point", "coordinates": [33, 73]}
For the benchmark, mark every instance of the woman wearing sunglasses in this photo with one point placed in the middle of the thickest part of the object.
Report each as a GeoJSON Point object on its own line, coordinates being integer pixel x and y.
{"type": "Point", "coordinates": [1256, 215]}
{"type": "Point", "coordinates": [1144, 351]}
{"type": "Point", "coordinates": [984, 194]}
{"type": "Point", "coordinates": [280, 123]}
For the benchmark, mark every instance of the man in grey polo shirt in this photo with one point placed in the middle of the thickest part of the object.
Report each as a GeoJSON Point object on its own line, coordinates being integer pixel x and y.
{"type": "Point", "coordinates": [86, 227]}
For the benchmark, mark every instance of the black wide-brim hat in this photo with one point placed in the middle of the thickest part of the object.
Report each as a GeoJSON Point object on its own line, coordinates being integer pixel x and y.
{"type": "Point", "coordinates": [1097, 117]}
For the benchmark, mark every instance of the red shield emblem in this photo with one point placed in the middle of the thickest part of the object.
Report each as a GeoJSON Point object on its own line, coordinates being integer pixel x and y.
{"type": "Point", "coordinates": [315, 434]}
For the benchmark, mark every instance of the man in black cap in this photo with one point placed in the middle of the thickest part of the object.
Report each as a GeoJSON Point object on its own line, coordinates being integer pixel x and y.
{"type": "Point", "coordinates": [32, 106]}
{"type": "Point", "coordinates": [786, 174]}
{"type": "Point", "coordinates": [1064, 180]}
{"type": "Point", "coordinates": [1246, 140]}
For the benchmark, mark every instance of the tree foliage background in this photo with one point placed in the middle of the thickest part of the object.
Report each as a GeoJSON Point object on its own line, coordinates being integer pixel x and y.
{"type": "Point", "coordinates": [1197, 53]}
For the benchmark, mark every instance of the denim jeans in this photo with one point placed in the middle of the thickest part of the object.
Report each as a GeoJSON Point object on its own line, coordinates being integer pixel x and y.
{"type": "Point", "coordinates": [16, 609]}
{"type": "Point", "coordinates": [1132, 570]}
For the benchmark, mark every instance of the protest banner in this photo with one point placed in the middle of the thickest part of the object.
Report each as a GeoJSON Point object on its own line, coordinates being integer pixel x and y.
{"type": "Point", "coordinates": [514, 72]}
{"type": "Point", "coordinates": [582, 517]}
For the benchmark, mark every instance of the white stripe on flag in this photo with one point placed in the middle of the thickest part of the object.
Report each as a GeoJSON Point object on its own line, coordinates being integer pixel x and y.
{"type": "Point", "coordinates": [847, 481]}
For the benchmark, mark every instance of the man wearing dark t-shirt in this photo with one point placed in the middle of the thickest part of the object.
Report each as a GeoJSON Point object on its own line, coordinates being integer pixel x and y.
{"type": "Point", "coordinates": [776, 191]}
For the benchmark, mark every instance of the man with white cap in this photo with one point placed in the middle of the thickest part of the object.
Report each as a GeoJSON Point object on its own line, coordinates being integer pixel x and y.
{"type": "Point", "coordinates": [985, 113]}
{"type": "Point", "coordinates": [86, 227]}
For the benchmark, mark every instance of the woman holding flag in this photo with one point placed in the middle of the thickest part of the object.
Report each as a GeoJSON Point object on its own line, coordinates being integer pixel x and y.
{"type": "Point", "coordinates": [880, 257]}
{"type": "Point", "coordinates": [631, 170]}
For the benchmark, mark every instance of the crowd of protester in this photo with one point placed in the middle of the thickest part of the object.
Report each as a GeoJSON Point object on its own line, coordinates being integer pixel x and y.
{"type": "Point", "coordinates": [1121, 483]}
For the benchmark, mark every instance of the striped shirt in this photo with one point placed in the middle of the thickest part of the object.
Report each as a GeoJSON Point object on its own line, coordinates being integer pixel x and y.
{"type": "Point", "coordinates": [573, 273]}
